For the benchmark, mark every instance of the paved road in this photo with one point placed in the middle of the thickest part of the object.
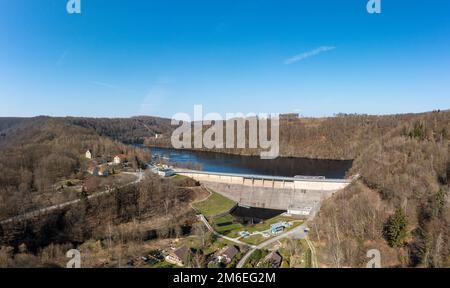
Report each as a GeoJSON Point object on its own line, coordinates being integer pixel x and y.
{"type": "Point", "coordinates": [32, 214]}
{"type": "Point", "coordinates": [203, 219]}
{"type": "Point", "coordinates": [296, 231]}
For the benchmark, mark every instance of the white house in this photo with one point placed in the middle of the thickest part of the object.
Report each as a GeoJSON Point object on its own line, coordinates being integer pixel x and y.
{"type": "Point", "coordinates": [88, 154]}
{"type": "Point", "coordinates": [118, 159]}
{"type": "Point", "coordinates": [227, 254]}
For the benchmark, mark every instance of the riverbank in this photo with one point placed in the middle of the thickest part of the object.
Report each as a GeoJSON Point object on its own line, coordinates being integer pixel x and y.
{"type": "Point", "coordinates": [244, 152]}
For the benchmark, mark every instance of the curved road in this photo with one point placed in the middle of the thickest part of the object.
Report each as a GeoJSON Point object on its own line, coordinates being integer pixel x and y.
{"type": "Point", "coordinates": [296, 230]}
{"type": "Point", "coordinates": [203, 219]}
{"type": "Point", "coordinates": [32, 214]}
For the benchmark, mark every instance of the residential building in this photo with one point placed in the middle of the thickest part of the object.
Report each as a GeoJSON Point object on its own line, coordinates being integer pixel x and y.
{"type": "Point", "coordinates": [178, 256]}
{"type": "Point", "coordinates": [89, 154]}
{"type": "Point", "coordinates": [227, 254]}
{"type": "Point", "coordinates": [118, 159]}
{"type": "Point", "coordinates": [274, 260]}
{"type": "Point", "coordinates": [98, 170]}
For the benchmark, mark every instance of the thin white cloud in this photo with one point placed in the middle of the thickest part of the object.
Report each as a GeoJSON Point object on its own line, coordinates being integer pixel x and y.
{"type": "Point", "coordinates": [308, 54]}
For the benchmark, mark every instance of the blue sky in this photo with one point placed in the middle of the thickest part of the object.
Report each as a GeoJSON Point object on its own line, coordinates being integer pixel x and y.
{"type": "Point", "coordinates": [316, 57]}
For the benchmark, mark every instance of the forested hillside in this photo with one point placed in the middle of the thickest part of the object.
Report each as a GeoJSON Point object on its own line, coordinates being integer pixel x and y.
{"type": "Point", "coordinates": [108, 230]}
{"type": "Point", "coordinates": [38, 156]}
{"type": "Point", "coordinates": [7, 123]}
{"type": "Point", "coordinates": [38, 152]}
{"type": "Point", "coordinates": [401, 203]}
{"type": "Point", "coordinates": [127, 130]}
{"type": "Point", "coordinates": [340, 137]}
{"type": "Point", "coordinates": [343, 137]}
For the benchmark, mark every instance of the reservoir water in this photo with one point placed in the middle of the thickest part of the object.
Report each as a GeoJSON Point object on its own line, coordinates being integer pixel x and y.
{"type": "Point", "coordinates": [283, 166]}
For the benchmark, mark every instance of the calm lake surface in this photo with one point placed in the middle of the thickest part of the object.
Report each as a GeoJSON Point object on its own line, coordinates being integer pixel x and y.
{"type": "Point", "coordinates": [224, 163]}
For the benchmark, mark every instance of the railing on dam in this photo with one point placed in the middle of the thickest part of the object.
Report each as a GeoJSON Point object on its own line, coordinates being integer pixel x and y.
{"type": "Point", "coordinates": [297, 183]}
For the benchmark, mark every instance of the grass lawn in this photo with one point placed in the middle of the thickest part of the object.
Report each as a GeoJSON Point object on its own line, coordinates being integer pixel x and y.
{"type": "Point", "coordinates": [254, 240]}
{"type": "Point", "coordinates": [219, 243]}
{"type": "Point", "coordinates": [266, 224]}
{"type": "Point", "coordinates": [227, 225]}
{"type": "Point", "coordinates": [216, 204]}
{"type": "Point", "coordinates": [178, 177]}
{"type": "Point", "coordinates": [191, 242]}
{"type": "Point", "coordinates": [194, 242]}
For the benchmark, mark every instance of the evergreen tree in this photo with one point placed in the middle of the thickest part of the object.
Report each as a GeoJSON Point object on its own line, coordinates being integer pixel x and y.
{"type": "Point", "coordinates": [395, 230]}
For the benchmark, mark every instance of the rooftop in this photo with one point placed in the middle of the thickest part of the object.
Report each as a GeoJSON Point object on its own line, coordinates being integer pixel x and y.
{"type": "Point", "coordinates": [182, 252]}
{"type": "Point", "coordinates": [278, 225]}
{"type": "Point", "coordinates": [229, 251]}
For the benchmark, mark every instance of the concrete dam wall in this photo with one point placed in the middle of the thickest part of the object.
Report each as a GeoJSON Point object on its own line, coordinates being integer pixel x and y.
{"type": "Point", "coordinates": [283, 193]}
{"type": "Point", "coordinates": [272, 198]}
